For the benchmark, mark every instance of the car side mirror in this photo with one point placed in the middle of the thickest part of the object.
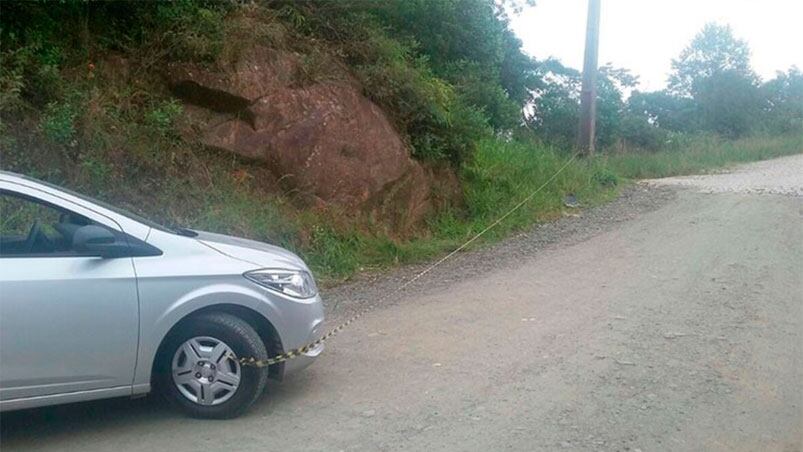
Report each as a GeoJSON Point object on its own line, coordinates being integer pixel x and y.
{"type": "Point", "coordinates": [97, 241]}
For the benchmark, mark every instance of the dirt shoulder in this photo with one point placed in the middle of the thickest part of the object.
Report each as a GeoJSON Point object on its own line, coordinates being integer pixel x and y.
{"type": "Point", "coordinates": [575, 226]}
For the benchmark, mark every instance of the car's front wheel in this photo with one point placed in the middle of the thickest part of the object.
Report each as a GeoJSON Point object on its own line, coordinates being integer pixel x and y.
{"type": "Point", "coordinates": [199, 368]}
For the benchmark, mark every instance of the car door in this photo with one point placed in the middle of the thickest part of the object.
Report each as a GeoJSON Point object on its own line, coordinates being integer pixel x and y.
{"type": "Point", "coordinates": [68, 322]}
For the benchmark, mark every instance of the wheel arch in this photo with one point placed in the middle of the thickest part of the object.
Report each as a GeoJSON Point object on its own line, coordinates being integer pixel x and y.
{"type": "Point", "coordinates": [267, 332]}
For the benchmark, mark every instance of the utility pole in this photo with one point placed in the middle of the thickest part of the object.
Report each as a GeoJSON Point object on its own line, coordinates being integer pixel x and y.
{"type": "Point", "coordinates": [588, 95]}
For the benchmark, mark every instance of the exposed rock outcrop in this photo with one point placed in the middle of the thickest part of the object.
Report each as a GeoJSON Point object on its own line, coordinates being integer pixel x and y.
{"type": "Point", "coordinates": [323, 139]}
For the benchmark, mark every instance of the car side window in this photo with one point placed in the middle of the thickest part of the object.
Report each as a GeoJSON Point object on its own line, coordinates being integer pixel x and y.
{"type": "Point", "coordinates": [33, 228]}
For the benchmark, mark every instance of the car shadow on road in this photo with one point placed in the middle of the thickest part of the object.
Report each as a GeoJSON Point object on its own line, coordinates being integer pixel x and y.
{"type": "Point", "coordinates": [50, 425]}
{"type": "Point", "coordinates": [77, 417]}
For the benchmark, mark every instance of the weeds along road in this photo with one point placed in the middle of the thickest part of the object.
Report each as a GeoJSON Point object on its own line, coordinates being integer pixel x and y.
{"type": "Point", "coordinates": [670, 319]}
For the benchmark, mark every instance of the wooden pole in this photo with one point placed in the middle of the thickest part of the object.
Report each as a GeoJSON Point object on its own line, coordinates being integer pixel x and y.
{"type": "Point", "coordinates": [588, 95]}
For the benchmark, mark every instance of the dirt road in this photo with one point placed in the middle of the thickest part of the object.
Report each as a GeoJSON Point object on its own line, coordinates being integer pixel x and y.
{"type": "Point", "coordinates": [669, 320]}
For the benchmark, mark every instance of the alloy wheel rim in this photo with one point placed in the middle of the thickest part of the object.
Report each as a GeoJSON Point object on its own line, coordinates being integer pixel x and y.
{"type": "Point", "coordinates": [205, 371]}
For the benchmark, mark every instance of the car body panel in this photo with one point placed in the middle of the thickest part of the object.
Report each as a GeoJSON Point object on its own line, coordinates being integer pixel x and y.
{"type": "Point", "coordinates": [49, 326]}
{"type": "Point", "coordinates": [191, 274]}
{"type": "Point", "coordinates": [261, 254]}
{"type": "Point", "coordinates": [67, 397]}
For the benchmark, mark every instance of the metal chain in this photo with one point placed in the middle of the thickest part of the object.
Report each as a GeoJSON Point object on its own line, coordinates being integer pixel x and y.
{"type": "Point", "coordinates": [296, 352]}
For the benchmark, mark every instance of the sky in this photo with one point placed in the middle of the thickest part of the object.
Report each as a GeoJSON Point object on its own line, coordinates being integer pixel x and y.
{"type": "Point", "coordinates": [644, 35]}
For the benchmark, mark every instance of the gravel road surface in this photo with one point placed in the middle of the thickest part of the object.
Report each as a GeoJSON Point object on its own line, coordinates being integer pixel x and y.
{"type": "Point", "coordinates": [669, 319]}
{"type": "Point", "coordinates": [779, 176]}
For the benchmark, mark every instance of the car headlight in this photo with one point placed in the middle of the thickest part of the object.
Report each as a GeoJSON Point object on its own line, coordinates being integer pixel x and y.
{"type": "Point", "coordinates": [293, 283]}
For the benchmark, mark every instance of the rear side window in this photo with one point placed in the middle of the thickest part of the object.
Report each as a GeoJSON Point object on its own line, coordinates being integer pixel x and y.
{"type": "Point", "coordinates": [32, 228]}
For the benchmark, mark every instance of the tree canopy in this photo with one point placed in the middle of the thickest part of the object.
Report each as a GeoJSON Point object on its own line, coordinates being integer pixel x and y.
{"type": "Point", "coordinates": [712, 52]}
{"type": "Point", "coordinates": [714, 89]}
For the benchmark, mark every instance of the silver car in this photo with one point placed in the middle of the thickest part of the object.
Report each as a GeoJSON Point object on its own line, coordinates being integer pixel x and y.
{"type": "Point", "coordinates": [96, 302]}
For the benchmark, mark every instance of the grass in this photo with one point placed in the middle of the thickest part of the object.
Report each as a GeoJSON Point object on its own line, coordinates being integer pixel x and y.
{"type": "Point", "coordinates": [499, 177]}
{"type": "Point", "coordinates": [702, 154]}
{"type": "Point", "coordinates": [504, 173]}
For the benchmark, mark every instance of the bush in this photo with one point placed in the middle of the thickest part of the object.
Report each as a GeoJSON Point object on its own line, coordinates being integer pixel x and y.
{"type": "Point", "coordinates": [604, 177]}
{"type": "Point", "coordinates": [637, 132]}
{"type": "Point", "coordinates": [193, 29]}
{"type": "Point", "coordinates": [163, 116]}
{"type": "Point", "coordinates": [448, 73]}
{"type": "Point", "coordinates": [29, 73]}
{"type": "Point", "coordinates": [58, 123]}
{"type": "Point", "coordinates": [438, 123]}
{"type": "Point", "coordinates": [480, 87]}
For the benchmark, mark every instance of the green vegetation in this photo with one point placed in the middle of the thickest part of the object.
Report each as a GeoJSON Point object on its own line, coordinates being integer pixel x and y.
{"type": "Point", "coordinates": [700, 154]}
{"type": "Point", "coordinates": [503, 174]}
{"type": "Point", "coordinates": [500, 176]}
{"type": "Point", "coordinates": [82, 104]}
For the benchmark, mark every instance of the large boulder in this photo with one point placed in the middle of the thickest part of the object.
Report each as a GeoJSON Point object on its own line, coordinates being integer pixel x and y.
{"type": "Point", "coordinates": [253, 74]}
{"type": "Point", "coordinates": [325, 139]}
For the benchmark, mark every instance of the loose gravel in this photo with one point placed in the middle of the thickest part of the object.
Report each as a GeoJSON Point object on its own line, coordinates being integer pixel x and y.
{"type": "Point", "coordinates": [782, 176]}
{"type": "Point", "coordinates": [575, 226]}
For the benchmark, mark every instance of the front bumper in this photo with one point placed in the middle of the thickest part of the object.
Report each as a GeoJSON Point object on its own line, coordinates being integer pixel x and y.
{"type": "Point", "coordinates": [300, 362]}
{"type": "Point", "coordinates": [301, 322]}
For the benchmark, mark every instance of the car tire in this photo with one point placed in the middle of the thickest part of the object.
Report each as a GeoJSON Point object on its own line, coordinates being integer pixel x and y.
{"type": "Point", "coordinates": [198, 335]}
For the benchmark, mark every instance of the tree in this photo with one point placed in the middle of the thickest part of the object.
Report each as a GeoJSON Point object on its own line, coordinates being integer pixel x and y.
{"type": "Point", "coordinates": [467, 43]}
{"type": "Point", "coordinates": [727, 104]}
{"type": "Point", "coordinates": [611, 84]}
{"type": "Point", "coordinates": [555, 111]}
{"type": "Point", "coordinates": [783, 102]}
{"type": "Point", "coordinates": [714, 71]}
{"type": "Point", "coordinates": [664, 110]}
{"type": "Point", "coordinates": [713, 50]}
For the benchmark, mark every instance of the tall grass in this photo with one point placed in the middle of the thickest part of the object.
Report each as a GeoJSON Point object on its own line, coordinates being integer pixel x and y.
{"type": "Point", "coordinates": [701, 154]}
{"type": "Point", "coordinates": [500, 175]}
{"type": "Point", "coordinates": [503, 173]}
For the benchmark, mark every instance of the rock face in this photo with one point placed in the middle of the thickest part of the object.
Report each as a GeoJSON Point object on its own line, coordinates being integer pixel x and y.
{"type": "Point", "coordinates": [324, 139]}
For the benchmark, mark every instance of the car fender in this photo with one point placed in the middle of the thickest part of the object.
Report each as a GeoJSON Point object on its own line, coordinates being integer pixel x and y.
{"type": "Point", "coordinates": [154, 329]}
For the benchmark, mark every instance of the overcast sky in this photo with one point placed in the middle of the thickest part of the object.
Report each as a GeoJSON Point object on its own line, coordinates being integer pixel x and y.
{"type": "Point", "coordinates": [644, 35]}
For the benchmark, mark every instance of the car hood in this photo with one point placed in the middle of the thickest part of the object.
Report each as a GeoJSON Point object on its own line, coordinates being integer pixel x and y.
{"type": "Point", "coordinates": [260, 254]}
